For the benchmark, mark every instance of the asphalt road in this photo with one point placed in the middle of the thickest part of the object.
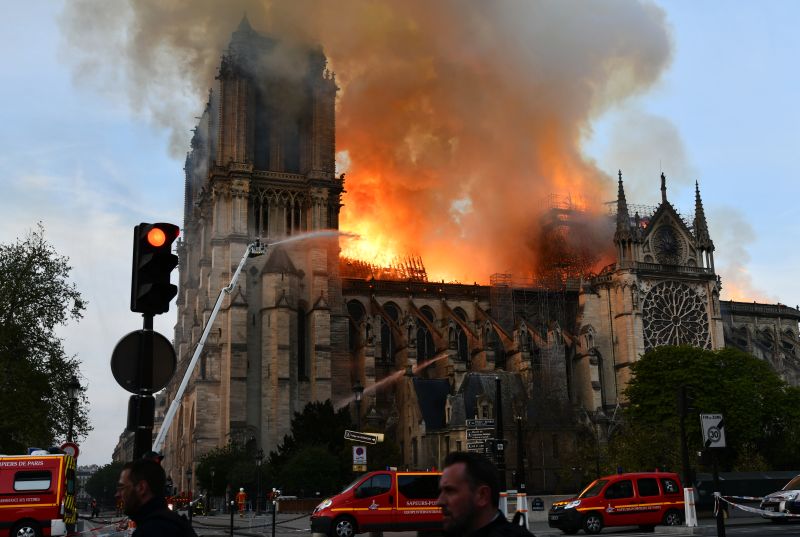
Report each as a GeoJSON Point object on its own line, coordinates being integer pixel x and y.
{"type": "Point", "coordinates": [293, 525]}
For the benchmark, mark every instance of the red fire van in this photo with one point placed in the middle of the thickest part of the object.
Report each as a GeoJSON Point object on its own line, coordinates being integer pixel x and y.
{"type": "Point", "coordinates": [643, 499]}
{"type": "Point", "coordinates": [37, 494]}
{"type": "Point", "coordinates": [381, 501]}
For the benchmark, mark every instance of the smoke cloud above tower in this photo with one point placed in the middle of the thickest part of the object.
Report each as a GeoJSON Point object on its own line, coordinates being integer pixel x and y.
{"type": "Point", "coordinates": [456, 120]}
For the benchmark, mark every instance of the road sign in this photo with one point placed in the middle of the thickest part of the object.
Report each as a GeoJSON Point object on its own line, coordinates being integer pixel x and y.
{"type": "Point", "coordinates": [359, 455]}
{"type": "Point", "coordinates": [360, 437]}
{"type": "Point", "coordinates": [71, 448]}
{"type": "Point", "coordinates": [713, 430]}
{"type": "Point", "coordinates": [359, 467]}
{"type": "Point", "coordinates": [126, 358]}
{"type": "Point", "coordinates": [479, 434]}
{"type": "Point", "coordinates": [480, 423]}
{"type": "Point", "coordinates": [477, 446]}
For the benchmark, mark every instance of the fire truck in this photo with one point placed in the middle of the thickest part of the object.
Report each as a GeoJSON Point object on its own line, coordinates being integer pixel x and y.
{"type": "Point", "coordinates": [37, 494]}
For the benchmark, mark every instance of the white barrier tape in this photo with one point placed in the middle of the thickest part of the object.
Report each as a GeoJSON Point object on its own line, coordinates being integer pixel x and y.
{"type": "Point", "coordinates": [747, 508]}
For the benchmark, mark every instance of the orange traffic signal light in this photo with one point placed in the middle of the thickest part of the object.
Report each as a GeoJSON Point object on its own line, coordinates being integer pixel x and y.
{"type": "Point", "coordinates": [153, 261]}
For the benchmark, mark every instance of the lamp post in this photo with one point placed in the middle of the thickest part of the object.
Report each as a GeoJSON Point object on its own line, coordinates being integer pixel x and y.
{"type": "Point", "coordinates": [189, 485]}
{"type": "Point", "coordinates": [358, 391]}
{"type": "Point", "coordinates": [73, 389]}
{"type": "Point", "coordinates": [259, 458]}
{"type": "Point", "coordinates": [211, 496]}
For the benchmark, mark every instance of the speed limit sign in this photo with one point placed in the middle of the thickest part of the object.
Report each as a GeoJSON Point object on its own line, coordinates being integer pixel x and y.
{"type": "Point", "coordinates": [713, 430]}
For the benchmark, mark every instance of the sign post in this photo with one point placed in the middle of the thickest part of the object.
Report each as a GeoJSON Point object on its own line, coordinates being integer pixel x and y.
{"type": "Point", "coordinates": [359, 458]}
{"type": "Point", "coordinates": [478, 432]}
{"type": "Point", "coordinates": [714, 438]}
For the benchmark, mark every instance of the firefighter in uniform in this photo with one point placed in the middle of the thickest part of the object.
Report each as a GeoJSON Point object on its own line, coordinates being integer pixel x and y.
{"type": "Point", "coordinates": [241, 499]}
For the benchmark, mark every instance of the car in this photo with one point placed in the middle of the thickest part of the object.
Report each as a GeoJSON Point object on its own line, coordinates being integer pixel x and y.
{"type": "Point", "coordinates": [644, 499]}
{"type": "Point", "coordinates": [786, 501]}
{"type": "Point", "coordinates": [381, 501]}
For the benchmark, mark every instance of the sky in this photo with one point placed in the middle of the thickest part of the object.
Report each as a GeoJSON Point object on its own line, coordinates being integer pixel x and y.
{"type": "Point", "coordinates": [79, 157]}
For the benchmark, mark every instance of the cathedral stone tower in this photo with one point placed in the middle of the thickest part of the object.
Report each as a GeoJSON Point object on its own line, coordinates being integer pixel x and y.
{"type": "Point", "coordinates": [661, 291]}
{"type": "Point", "coordinates": [261, 165]}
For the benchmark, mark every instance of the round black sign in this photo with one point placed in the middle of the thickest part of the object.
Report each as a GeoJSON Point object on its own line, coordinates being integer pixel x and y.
{"type": "Point", "coordinates": [125, 362]}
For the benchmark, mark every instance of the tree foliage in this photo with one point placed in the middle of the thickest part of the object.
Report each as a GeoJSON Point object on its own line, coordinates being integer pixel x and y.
{"type": "Point", "coordinates": [317, 429]}
{"type": "Point", "coordinates": [233, 466]}
{"type": "Point", "coordinates": [760, 410]}
{"type": "Point", "coordinates": [102, 485]}
{"type": "Point", "coordinates": [36, 297]}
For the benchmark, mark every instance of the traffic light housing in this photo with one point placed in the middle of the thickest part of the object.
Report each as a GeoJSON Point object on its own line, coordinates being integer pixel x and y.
{"type": "Point", "coordinates": [153, 261]}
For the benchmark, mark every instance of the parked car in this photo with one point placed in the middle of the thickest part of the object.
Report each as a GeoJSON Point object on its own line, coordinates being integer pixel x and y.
{"type": "Point", "coordinates": [786, 500]}
{"type": "Point", "coordinates": [381, 501]}
{"type": "Point", "coordinates": [643, 499]}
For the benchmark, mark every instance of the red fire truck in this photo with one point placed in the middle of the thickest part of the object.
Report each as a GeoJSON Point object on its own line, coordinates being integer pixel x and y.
{"type": "Point", "coordinates": [37, 494]}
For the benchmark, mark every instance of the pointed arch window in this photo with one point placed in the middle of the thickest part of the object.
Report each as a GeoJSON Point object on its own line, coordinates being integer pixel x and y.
{"type": "Point", "coordinates": [425, 346]}
{"type": "Point", "coordinates": [387, 337]}
{"type": "Point", "coordinates": [357, 313]}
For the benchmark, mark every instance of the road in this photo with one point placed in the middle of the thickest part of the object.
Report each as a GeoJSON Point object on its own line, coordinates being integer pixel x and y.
{"type": "Point", "coordinates": [292, 525]}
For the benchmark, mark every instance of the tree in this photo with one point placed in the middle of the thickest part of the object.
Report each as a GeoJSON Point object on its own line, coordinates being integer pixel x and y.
{"type": "Point", "coordinates": [102, 485]}
{"type": "Point", "coordinates": [760, 410]}
{"type": "Point", "coordinates": [232, 466]}
{"type": "Point", "coordinates": [317, 424]}
{"type": "Point", "coordinates": [36, 297]}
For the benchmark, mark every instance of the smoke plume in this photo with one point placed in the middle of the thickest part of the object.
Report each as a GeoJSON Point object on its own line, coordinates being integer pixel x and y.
{"type": "Point", "coordinates": [456, 118]}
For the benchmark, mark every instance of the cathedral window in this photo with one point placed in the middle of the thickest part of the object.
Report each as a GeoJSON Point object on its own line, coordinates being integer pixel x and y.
{"type": "Point", "coordinates": [675, 314]}
{"type": "Point", "coordinates": [357, 313]}
{"type": "Point", "coordinates": [425, 348]}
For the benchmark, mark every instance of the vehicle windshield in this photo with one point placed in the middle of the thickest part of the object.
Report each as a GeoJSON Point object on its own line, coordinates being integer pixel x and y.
{"type": "Point", "coordinates": [353, 484]}
{"type": "Point", "coordinates": [794, 484]}
{"type": "Point", "coordinates": [593, 489]}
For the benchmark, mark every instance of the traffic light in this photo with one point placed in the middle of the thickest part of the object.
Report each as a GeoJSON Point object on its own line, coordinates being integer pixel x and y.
{"type": "Point", "coordinates": [153, 261]}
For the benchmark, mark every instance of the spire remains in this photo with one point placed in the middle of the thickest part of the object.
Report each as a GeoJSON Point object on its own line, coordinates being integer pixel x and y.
{"type": "Point", "coordinates": [663, 188]}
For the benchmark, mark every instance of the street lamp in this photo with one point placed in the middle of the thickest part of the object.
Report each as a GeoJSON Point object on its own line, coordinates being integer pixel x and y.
{"type": "Point", "coordinates": [358, 391]}
{"type": "Point", "coordinates": [189, 481]}
{"type": "Point", "coordinates": [73, 390]}
{"type": "Point", "coordinates": [211, 498]}
{"type": "Point", "coordinates": [259, 458]}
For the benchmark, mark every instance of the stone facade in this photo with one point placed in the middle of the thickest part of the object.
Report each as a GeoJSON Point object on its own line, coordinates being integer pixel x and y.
{"type": "Point", "coordinates": [301, 327]}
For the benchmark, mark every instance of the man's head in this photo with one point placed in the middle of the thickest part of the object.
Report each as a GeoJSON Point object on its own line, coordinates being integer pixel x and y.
{"type": "Point", "coordinates": [469, 492]}
{"type": "Point", "coordinates": [139, 482]}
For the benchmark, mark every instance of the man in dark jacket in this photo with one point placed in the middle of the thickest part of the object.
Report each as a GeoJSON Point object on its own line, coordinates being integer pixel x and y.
{"type": "Point", "coordinates": [141, 489]}
{"type": "Point", "coordinates": [469, 495]}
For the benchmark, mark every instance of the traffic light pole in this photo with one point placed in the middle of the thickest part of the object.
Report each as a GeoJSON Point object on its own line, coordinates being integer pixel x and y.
{"type": "Point", "coordinates": [252, 250]}
{"type": "Point", "coordinates": [143, 437]}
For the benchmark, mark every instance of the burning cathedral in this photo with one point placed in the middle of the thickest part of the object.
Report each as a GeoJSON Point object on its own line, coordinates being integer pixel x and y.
{"type": "Point", "coordinates": [305, 324]}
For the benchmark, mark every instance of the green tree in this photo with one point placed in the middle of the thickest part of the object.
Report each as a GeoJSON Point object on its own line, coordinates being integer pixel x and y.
{"type": "Point", "coordinates": [232, 465]}
{"type": "Point", "coordinates": [311, 469]}
{"type": "Point", "coordinates": [751, 397]}
{"type": "Point", "coordinates": [317, 424]}
{"type": "Point", "coordinates": [102, 485]}
{"type": "Point", "coordinates": [36, 297]}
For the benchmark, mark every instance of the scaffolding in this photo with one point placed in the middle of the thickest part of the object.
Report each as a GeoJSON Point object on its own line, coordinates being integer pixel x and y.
{"type": "Point", "coordinates": [409, 268]}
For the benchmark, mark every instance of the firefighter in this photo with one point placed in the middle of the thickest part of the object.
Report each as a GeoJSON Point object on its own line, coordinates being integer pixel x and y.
{"type": "Point", "coordinates": [95, 510]}
{"type": "Point", "coordinates": [241, 499]}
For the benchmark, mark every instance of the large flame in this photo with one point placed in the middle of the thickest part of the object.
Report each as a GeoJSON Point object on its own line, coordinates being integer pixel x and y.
{"type": "Point", "coordinates": [459, 117]}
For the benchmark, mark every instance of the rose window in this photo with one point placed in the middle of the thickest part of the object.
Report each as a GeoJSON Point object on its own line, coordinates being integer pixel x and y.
{"type": "Point", "coordinates": [674, 314]}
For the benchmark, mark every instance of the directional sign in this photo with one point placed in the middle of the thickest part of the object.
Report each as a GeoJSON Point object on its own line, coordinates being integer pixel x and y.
{"type": "Point", "coordinates": [356, 436]}
{"type": "Point", "coordinates": [479, 434]}
{"type": "Point", "coordinates": [713, 430]}
{"type": "Point", "coordinates": [480, 423]}
{"type": "Point", "coordinates": [477, 446]}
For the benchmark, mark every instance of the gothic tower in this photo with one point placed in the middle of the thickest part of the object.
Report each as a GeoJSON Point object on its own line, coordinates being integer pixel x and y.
{"type": "Point", "coordinates": [261, 165]}
{"type": "Point", "coordinates": [661, 291]}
